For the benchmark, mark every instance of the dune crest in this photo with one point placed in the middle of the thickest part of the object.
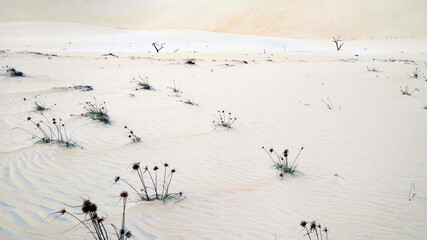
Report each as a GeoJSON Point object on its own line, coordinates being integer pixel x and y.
{"type": "Point", "coordinates": [278, 18]}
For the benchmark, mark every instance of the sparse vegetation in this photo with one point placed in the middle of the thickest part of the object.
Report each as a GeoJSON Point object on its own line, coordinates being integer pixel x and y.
{"type": "Point", "coordinates": [83, 88]}
{"type": "Point", "coordinates": [412, 192]}
{"type": "Point", "coordinates": [189, 102]}
{"type": "Point", "coordinates": [191, 61]}
{"type": "Point", "coordinates": [13, 72]}
{"type": "Point", "coordinates": [50, 131]}
{"type": "Point", "coordinates": [97, 111]}
{"type": "Point", "coordinates": [222, 120]}
{"type": "Point", "coordinates": [405, 91]}
{"type": "Point", "coordinates": [132, 135]}
{"type": "Point", "coordinates": [315, 229]}
{"type": "Point", "coordinates": [373, 69]}
{"type": "Point", "coordinates": [281, 163]}
{"type": "Point", "coordinates": [328, 104]}
{"type": "Point", "coordinates": [415, 73]}
{"type": "Point", "coordinates": [142, 83]}
{"type": "Point", "coordinates": [153, 187]}
{"type": "Point", "coordinates": [95, 223]}
{"type": "Point", "coordinates": [176, 90]}
{"type": "Point", "coordinates": [336, 41]}
{"type": "Point", "coordinates": [40, 105]}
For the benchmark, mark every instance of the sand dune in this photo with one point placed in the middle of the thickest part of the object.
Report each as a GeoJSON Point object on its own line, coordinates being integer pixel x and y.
{"type": "Point", "coordinates": [359, 161]}
{"type": "Point", "coordinates": [279, 18]}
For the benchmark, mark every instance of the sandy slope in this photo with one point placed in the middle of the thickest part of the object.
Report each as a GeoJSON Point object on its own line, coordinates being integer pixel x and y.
{"type": "Point", "coordinates": [374, 138]}
{"type": "Point", "coordinates": [280, 18]}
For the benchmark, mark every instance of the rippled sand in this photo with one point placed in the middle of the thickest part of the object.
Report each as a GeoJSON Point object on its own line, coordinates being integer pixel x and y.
{"type": "Point", "coordinates": [374, 138]}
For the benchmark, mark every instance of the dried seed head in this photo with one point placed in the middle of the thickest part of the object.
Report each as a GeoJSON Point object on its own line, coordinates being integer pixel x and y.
{"type": "Point", "coordinates": [155, 168]}
{"type": "Point", "coordinates": [124, 194]}
{"type": "Point", "coordinates": [313, 225]}
{"type": "Point", "coordinates": [130, 136]}
{"type": "Point", "coordinates": [325, 229]}
{"type": "Point", "coordinates": [116, 179]}
{"type": "Point", "coordinates": [28, 118]}
{"type": "Point", "coordinates": [303, 224]}
{"type": "Point", "coordinates": [173, 170]}
{"type": "Point", "coordinates": [88, 206]}
{"type": "Point", "coordinates": [286, 152]}
{"type": "Point", "coordinates": [135, 166]}
{"type": "Point", "coordinates": [126, 126]}
{"type": "Point", "coordinates": [166, 164]}
{"type": "Point", "coordinates": [271, 149]}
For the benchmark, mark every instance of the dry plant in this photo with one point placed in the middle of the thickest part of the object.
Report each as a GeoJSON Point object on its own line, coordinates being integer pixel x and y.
{"type": "Point", "coordinates": [132, 135]}
{"type": "Point", "coordinates": [158, 46]}
{"type": "Point", "coordinates": [315, 229]}
{"type": "Point", "coordinates": [153, 186]}
{"type": "Point", "coordinates": [50, 132]}
{"type": "Point", "coordinates": [176, 90]}
{"type": "Point", "coordinates": [40, 104]}
{"type": "Point", "coordinates": [373, 69]}
{"type": "Point", "coordinates": [142, 83]}
{"type": "Point", "coordinates": [93, 222]}
{"type": "Point", "coordinates": [281, 163]}
{"type": "Point", "coordinates": [13, 72]}
{"type": "Point", "coordinates": [336, 41]}
{"type": "Point", "coordinates": [189, 102]}
{"type": "Point", "coordinates": [415, 74]}
{"type": "Point", "coordinates": [191, 61]}
{"type": "Point", "coordinates": [224, 121]}
{"type": "Point", "coordinates": [412, 192]}
{"type": "Point", "coordinates": [97, 111]}
{"type": "Point", "coordinates": [328, 103]}
{"type": "Point", "coordinates": [406, 91]}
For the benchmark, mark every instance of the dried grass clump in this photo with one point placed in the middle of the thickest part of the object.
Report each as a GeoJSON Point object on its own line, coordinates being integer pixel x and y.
{"type": "Point", "coordinates": [315, 229]}
{"type": "Point", "coordinates": [224, 120]}
{"type": "Point", "coordinates": [154, 187]}
{"type": "Point", "coordinates": [53, 131]}
{"type": "Point", "coordinates": [97, 111]}
{"type": "Point", "coordinates": [93, 222]}
{"type": "Point", "coordinates": [281, 163]}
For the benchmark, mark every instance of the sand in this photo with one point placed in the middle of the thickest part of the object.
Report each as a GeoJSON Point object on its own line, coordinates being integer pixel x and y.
{"type": "Point", "coordinates": [279, 18]}
{"type": "Point", "coordinates": [359, 159]}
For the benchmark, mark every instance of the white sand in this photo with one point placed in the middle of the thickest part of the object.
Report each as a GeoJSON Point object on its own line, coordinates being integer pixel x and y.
{"type": "Point", "coordinates": [375, 138]}
{"type": "Point", "coordinates": [280, 18]}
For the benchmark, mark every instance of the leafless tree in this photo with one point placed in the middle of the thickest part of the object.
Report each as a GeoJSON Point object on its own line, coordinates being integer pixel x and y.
{"type": "Point", "coordinates": [336, 41]}
{"type": "Point", "coordinates": [158, 47]}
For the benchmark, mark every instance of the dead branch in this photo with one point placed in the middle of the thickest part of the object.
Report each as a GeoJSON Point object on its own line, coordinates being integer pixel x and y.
{"type": "Point", "coordinates": [158, 47]}
{"type": "Point", "coordinates": [336, 41]}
